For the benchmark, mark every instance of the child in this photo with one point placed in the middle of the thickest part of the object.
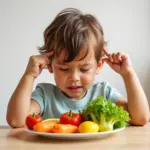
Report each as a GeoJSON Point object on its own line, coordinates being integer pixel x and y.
{"type": "Point", "coordinates": [73, 50]}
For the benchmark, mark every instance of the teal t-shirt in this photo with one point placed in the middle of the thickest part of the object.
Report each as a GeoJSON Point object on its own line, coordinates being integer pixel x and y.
{"type": "Point", "coordinates": [53, 102]}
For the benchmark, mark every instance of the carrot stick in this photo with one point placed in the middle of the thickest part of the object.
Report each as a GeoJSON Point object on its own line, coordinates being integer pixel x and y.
{"type": "Point", "coordinates": [64, 128]}
{"type": "Point", "coordinates": [44, 126]}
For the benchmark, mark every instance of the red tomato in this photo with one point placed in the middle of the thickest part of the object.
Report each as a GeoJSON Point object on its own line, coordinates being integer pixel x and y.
{"type": "Point", "coordinates": [71, 118]}
{"type": "Point", "coordinates": [32, 119]}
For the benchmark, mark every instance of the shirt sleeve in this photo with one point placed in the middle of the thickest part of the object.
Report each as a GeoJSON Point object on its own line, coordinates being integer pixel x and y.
{"type": "Point", "coordinates": [38, 96]}
{"type": "Point", "coordinates": [111, 93]}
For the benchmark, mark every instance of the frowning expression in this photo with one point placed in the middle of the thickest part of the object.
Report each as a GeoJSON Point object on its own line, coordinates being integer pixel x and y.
{"type": "Point", "coordinates": [75, 78]}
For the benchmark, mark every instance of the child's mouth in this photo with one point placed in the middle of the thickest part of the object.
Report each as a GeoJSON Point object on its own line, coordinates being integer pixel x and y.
{"type": "Point", "coordinates": [74, 88]}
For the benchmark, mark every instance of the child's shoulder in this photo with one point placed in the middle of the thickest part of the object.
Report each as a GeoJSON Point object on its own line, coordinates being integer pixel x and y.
{"type": "Point", "coordinates": [100, 87]}
{"type": "Point", "coordinates": [105, 87]}
{"type": "Point", "coordinates": [107, 90]}
{"type": "Point", "coordinates": [101, 84]}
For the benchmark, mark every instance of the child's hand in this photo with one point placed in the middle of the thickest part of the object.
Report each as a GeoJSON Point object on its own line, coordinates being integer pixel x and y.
{"type": "Point", "coordinates": [37, 63]}
{"type": "Point", "coordinates": [119, 62]}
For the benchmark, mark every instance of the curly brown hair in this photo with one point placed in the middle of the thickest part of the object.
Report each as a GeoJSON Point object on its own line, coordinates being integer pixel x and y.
{"type": "Point", "coordinates": [72, 30]}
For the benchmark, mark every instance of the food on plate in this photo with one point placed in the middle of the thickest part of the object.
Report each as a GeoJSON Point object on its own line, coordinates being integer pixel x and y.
{"type": "Point", "coordinates": [88, 127]}
{"type": "Point", "coordinates": [99, 115]}
{"type": "Point", "coordinates": [32, 119]}
{"type": "Point", "coordinates": [64, 128]}
{"type": "Point", "coordinates": [71, 118]}
{"type": "Point", "coordinates": [106, 114]}
{"type": "Point", "coordinates": [51, 119]}
{"type": "Point", "coordinates": [45, 126]}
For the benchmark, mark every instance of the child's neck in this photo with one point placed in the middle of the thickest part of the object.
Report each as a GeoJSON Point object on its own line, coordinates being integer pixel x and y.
{"type": "Point", "coordinates": [71, 97]}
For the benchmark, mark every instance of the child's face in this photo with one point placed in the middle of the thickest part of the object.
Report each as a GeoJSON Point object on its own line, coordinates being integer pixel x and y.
{"type": "Point", "coordinates": [76, 77]}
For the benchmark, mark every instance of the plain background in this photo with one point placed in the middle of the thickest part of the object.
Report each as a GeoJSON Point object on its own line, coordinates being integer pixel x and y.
{"type": "Point", "coordinates": [126, 25]}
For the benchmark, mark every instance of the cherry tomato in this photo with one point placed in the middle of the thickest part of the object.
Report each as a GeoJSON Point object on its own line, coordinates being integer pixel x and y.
{"type": "Point", "coordinates": [32, 119]}
{"type": "Point", "coordinates": [71, 118]}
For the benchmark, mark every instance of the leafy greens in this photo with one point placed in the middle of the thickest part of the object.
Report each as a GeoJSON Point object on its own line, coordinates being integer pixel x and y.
{"type": "Point", "coordinates": [106, 114]}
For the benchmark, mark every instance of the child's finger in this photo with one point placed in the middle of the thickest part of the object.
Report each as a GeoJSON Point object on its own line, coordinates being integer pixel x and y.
{"type": "Point", "coordinates": [46, 59]}
{"type": "Point", "coordinates": [110, 58]}
{"type": "Point", "coordinates": [118, 55]}
{"type": "Point", "coordinates": [107, 60]}
{"type": "Point", "coordinates": [124, 56]}
{"type": "Point", "coordinates": [104, 59]}
{"type": "Point", "coordinates": [40, 60]}
{"type": "Point", "coordinates": [116, 60]}
{"type": "Point", "coordinates": [106, 52]}
{"type": "Point", "coordinates": [108, 55]}
{"type": "Point", "coordinates": [49, 54]}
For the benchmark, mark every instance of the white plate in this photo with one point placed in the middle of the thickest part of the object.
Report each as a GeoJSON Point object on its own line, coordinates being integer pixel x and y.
{"type": "Point", "coordinates": [75, 136]}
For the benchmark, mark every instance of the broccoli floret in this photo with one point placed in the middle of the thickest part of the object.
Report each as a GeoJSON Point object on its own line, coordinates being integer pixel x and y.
{"type": "Point", "coordinates": [119, 124]}
{"type": "Point", "coordinates": [105, 113]}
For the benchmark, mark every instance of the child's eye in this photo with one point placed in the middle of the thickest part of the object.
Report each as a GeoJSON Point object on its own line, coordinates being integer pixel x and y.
{"type": "Point", "coordinates": [84, 70]}
{"type": "Point", "coordinates": [64, 69]}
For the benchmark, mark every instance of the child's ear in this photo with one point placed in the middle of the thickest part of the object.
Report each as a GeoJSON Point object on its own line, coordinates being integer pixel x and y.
{"type": "Point", "coordinates": [100, 65]}
{"type": "Point", "coordinates": [50, 68]}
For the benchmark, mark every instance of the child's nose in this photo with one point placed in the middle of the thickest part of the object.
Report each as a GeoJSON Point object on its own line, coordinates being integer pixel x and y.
{"type": "Point", "coordinates": [74, 76]}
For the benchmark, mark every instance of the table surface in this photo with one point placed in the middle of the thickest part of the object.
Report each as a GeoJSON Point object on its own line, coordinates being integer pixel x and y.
{"type": "Point", "coordinates": [132, 137]}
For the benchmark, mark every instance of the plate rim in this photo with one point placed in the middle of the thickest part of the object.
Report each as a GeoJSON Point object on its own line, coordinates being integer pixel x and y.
{"type": "Point", "coordinates": [74, 135]}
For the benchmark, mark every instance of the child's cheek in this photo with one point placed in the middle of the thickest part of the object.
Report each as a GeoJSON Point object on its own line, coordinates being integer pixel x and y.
{"type": "Point", "coordinates": [59, 82]}
{"type": "Point", "coordinates": [88, 79]}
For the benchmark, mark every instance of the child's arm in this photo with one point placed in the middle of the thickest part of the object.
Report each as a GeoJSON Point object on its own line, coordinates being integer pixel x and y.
{"type": "Point", "coordinates": [20, 104]}
{"type": "Point", "coordinates": [136, 103]}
